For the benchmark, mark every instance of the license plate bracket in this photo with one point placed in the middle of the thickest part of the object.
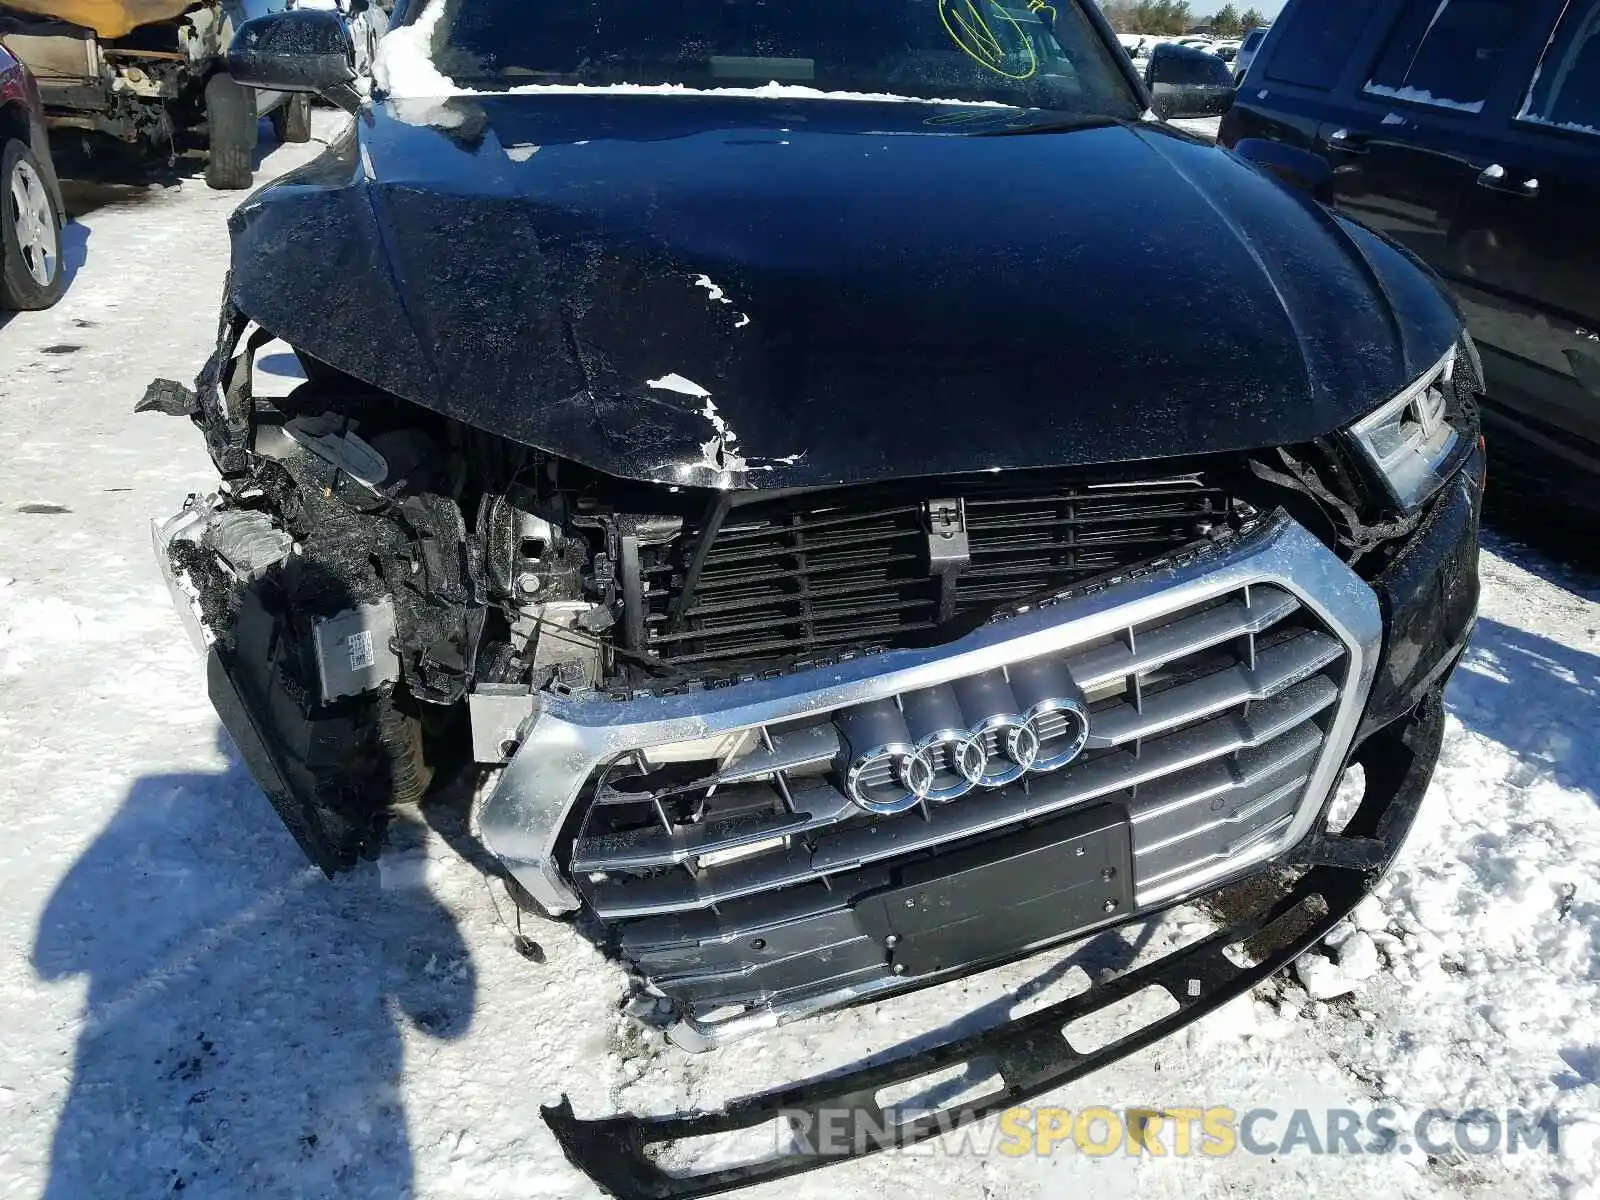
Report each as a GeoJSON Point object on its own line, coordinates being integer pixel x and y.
{"type": "Point", "coordinates": [993, 900]}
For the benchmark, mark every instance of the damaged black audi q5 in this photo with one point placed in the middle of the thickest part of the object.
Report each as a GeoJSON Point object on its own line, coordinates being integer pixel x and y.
{"type": "Point", "coordinates": [872, 499]}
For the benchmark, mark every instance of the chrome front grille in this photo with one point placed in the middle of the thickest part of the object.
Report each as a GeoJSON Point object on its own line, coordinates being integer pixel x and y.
{"type": "Point", "coordinates": [1214, 701]}
{"type": "Point", "coordinates": [711, 832]}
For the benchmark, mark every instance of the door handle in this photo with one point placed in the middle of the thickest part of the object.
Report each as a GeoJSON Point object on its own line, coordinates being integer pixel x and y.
{"type": "Point", "coordinates": [1494, 178]}
{"type": "Point", "coordinates": [1347, 142]}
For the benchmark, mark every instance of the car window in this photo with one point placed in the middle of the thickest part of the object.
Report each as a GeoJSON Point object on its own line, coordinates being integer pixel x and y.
{"type": "Point", "coordinates": [1448, 53]}
{"type": "Point", "coordinates": [1253, 39]}
{"type": "Point", "coordinates": [1212, 69]}
{"type": "Point", "coordinates": [1315, 39]}
{"type": "Point", "coordinates": [1192, 69]}
{"type": "Point", "coordinates": [1031, 55]}
{"type": "Point", "coordinates": [1566, 87]}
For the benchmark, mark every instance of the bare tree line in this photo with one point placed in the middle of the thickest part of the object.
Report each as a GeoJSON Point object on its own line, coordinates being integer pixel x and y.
{"type": "Point", "coordinates": [1177, 16]}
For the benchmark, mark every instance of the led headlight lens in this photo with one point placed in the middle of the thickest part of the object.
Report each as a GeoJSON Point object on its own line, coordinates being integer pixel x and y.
{"type": "Point", "coordinates": [1410, 439]}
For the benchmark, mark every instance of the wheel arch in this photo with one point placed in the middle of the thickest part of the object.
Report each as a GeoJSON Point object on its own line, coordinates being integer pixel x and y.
{"type": "Point", "coordinates": [14, 123]}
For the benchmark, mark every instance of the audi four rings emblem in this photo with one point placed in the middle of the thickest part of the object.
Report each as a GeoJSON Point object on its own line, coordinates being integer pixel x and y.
{"type": "Point", "coordinates": [949, 762]}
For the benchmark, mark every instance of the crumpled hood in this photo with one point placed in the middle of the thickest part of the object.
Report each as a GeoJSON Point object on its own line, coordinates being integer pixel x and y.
{"type": "Point", "coordinates": [771, 293]}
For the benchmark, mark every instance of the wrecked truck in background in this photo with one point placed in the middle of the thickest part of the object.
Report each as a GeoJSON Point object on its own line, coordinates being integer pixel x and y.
{"type": "Point", "coordinates": [848, 576]}
{"type": "Point", "coordinates": [151, 74]}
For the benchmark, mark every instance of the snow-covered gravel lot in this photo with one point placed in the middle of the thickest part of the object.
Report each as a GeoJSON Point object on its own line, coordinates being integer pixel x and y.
{"type": "Point", "coordinates": [188, 1007]}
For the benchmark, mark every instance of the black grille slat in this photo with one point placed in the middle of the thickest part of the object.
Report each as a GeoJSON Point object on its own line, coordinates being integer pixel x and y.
{"type": "Point", "coordinates": [819, 613]}
{"type": "Point", "coordinates": [1041, 537]}
{"type": "Point", "coordinates": [825, 519]}
{"type": "Point", "coordinates": [1073, 564]}
{"type": "Point", "coordinates": [996, 515]}
{"type": "Point", "coordinates": [856, 635]}
{"type": "Point", "coordinates": [842, 546]}
{"type": "Point", "coordinates": [849, 568]}
{"type": "Point", "coordinates": [869, 571]}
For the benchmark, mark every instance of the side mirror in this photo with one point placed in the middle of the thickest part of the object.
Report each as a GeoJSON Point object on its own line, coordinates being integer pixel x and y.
{"type": "Point", "coordinates": [1184, 86]}
{"type": "Point", "coordinates": [300, 50]}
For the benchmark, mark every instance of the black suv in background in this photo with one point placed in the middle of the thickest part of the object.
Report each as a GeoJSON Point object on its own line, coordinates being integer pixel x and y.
{"type": "Point", "coordinates": [1469, 133]}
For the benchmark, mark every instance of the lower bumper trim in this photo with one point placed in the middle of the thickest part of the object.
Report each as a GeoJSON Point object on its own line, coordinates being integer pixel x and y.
{"type": "Point", "coordinates": [1031, 1055]}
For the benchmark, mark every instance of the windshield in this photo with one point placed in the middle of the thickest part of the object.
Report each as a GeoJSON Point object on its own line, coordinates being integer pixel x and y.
{"type": "Point", "coordinates": [1030, 55]}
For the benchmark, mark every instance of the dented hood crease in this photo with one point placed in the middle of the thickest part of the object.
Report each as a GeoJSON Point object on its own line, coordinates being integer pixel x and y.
{"type": "Point", "coordinates": [754, 293]}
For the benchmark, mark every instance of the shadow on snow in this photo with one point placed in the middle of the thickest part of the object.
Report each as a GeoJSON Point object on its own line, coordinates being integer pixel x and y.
{"type": "Point", "coordinates": [1537, 698]}
{"type": "Point", "coordinates": [242, 1029]}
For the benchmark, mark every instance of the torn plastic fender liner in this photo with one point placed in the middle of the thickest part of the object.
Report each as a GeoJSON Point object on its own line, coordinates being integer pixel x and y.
{"type": "Point", "coordinates": [220, 404]}
{"type": "Point", "coordinates": [1031, 1055]}
{"type": "Point", "coordinates": [207, 403]}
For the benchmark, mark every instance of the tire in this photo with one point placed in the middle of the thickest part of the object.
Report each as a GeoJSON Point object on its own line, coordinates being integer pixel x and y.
{"type": "Point", "coordinates": [30, 233]}
{"type": "Point", "coordinates": [291, 120]}
{"type": "Point", "coordinates": [232, 129]}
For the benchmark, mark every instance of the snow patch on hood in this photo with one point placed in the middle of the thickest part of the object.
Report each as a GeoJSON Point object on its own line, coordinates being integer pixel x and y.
{"type": "Point", "coordinates": [717, 294]}
{"type": "Point", "coordinates": [718, 422]}
{"type": "Point", "coordinates": [677, 383]}
{"type": "Point", "coordinates": [720, 452]}
{"type": "Point", "coordinates": [429, 112]}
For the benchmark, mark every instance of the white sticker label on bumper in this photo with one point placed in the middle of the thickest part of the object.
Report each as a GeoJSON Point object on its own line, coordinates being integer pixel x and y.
{"type": "Point", "coordinates": [361, 650]}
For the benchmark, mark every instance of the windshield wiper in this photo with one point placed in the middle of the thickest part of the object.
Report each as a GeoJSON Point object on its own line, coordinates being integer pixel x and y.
{"type": "Point", "coordinates": [1062, 125]}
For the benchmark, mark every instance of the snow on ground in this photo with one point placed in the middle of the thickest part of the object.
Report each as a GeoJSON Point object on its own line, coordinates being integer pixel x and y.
{"type": "Point", "coordinates": [189, 1007]}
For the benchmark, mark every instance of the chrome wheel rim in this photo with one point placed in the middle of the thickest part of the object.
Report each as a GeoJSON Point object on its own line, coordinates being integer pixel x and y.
{"type": "Point", "coordinates": [34, 220]}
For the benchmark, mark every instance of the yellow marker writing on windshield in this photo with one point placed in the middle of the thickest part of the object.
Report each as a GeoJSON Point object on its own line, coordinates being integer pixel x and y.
{"type": "Point", "coordinates": [969, 29]}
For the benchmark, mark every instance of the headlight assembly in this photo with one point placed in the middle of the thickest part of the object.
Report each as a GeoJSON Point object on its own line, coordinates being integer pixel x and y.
{"type": "Point", "coordinates": [1410, 441]}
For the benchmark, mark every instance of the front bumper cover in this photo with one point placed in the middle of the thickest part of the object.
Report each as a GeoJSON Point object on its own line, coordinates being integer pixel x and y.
{"type": "Point", "coordinates": [561, 741]}
{"type": "Point", "coordinates": [1031, 1055]}
{"type": "Point", "coordinates": [1429, 598]}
